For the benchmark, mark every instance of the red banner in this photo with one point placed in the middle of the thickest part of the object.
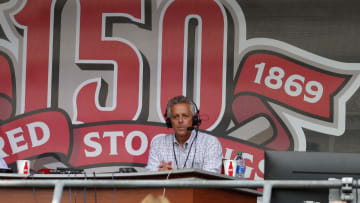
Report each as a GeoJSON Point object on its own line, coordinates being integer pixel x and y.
{"type": "Point", "coordinates": [44, 132]}
{"type": "Point", "coordinates": [98, 144]}
{"type": "Point", "coordinates": [290, 83]}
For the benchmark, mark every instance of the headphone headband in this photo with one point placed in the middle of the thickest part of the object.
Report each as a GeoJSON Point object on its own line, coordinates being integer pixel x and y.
{"type": "Point", "coordinates": [196, 121]}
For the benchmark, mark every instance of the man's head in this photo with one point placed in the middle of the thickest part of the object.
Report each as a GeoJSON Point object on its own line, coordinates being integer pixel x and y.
{"type": "Point", "coordinates": [180, 112]}
{"type": "Point", "coordinates": [180, 100]}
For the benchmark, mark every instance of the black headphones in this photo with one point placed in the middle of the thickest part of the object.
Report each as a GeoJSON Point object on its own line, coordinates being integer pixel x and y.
{"type": "Point", "coordinates": [196, 121]}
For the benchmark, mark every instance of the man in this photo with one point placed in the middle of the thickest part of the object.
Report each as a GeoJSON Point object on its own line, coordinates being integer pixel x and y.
{"type": "Point", "coordinates": [186, 147]}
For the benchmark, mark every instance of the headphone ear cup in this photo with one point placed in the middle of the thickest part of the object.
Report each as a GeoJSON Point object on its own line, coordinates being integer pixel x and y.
{"type": "Point", "coordinates": [196, 121]}
{"type": "Point", "coordinates": [168, 123]}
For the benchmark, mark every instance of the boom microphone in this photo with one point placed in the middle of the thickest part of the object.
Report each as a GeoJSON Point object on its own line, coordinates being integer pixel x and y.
{"type": "Point", "coordinates": [190, 128]}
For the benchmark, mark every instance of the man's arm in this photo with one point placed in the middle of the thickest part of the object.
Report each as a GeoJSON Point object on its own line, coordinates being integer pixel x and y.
{"type": "Point", "coordinates": [213, 156]}
{"type": "Point", "coordinates": [153, 161]}
{"type": "Point", "coordinates": [3, 163]}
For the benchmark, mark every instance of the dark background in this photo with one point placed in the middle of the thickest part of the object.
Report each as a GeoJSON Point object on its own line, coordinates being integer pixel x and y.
{"type": "Point", "coordinates": [329, 28]}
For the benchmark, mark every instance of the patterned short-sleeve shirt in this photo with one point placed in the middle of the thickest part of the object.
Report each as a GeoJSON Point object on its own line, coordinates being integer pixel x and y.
{"type": "Point", "coordinates": [200, 151]}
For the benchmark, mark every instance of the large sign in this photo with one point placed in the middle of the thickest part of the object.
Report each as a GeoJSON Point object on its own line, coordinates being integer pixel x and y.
{"type": "Point", "coordinates": [87, 81]}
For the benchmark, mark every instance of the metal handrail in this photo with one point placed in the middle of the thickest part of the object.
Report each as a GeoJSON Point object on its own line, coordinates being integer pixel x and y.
{"type": "Point", "coordinates": [267, 185]}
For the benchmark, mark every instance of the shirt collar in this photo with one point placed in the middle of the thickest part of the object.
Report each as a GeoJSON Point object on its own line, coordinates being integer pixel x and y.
{"type": "Point", "coordinates": [191, 138]}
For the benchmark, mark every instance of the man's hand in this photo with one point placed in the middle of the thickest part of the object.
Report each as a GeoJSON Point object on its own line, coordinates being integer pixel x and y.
{"type": "Point", "coordinates": [165, 166]}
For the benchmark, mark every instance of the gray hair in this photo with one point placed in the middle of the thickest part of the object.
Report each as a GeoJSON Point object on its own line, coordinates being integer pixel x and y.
{"type": "Point", "coordinates": [181, 100]}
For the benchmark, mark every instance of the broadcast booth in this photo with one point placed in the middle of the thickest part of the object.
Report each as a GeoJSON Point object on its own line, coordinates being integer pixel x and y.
{"type": "Point", "coordinates": [121, 187]}
{"type": "Point", "coordinates": [287, 165]}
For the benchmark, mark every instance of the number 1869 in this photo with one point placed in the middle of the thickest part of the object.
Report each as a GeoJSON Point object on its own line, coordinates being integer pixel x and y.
{"type": "Point", "coordinates": [293, 85]}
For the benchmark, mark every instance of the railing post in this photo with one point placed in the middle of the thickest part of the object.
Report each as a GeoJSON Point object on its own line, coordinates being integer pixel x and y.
{"type": "Point", "coordinates": [267, 192]}
{"type": "Point", "coordinates": [59, 186]}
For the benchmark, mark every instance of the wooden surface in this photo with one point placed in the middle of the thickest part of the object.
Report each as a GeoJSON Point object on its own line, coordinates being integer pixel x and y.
{"type": "Point", "coordinates": [104, 195]}
{"type": "Point", "coordinates": [174, 195]}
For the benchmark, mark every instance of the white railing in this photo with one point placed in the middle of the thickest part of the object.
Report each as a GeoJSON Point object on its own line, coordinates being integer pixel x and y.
{"type": "Point", "coordinates": [345, 186]}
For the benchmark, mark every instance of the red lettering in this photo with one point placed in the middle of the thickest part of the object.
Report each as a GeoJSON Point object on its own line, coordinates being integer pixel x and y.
{"type": "Point", "coordinates": [6, 89]}
{"type": "Point", "coordinates": [209, 54]}
{"type": "Point", "coordinates": [26, 168]}
{"type": "Point", "coordinates": [231, 169]}
{"type": "Point", "coordinates": [97, 51]}
{"type": "Point", "coordinates": [36, 19]}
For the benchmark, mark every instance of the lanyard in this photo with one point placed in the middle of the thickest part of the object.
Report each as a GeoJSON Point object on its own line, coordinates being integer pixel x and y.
{"type": "Point", "coordinates": [187, 157]}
